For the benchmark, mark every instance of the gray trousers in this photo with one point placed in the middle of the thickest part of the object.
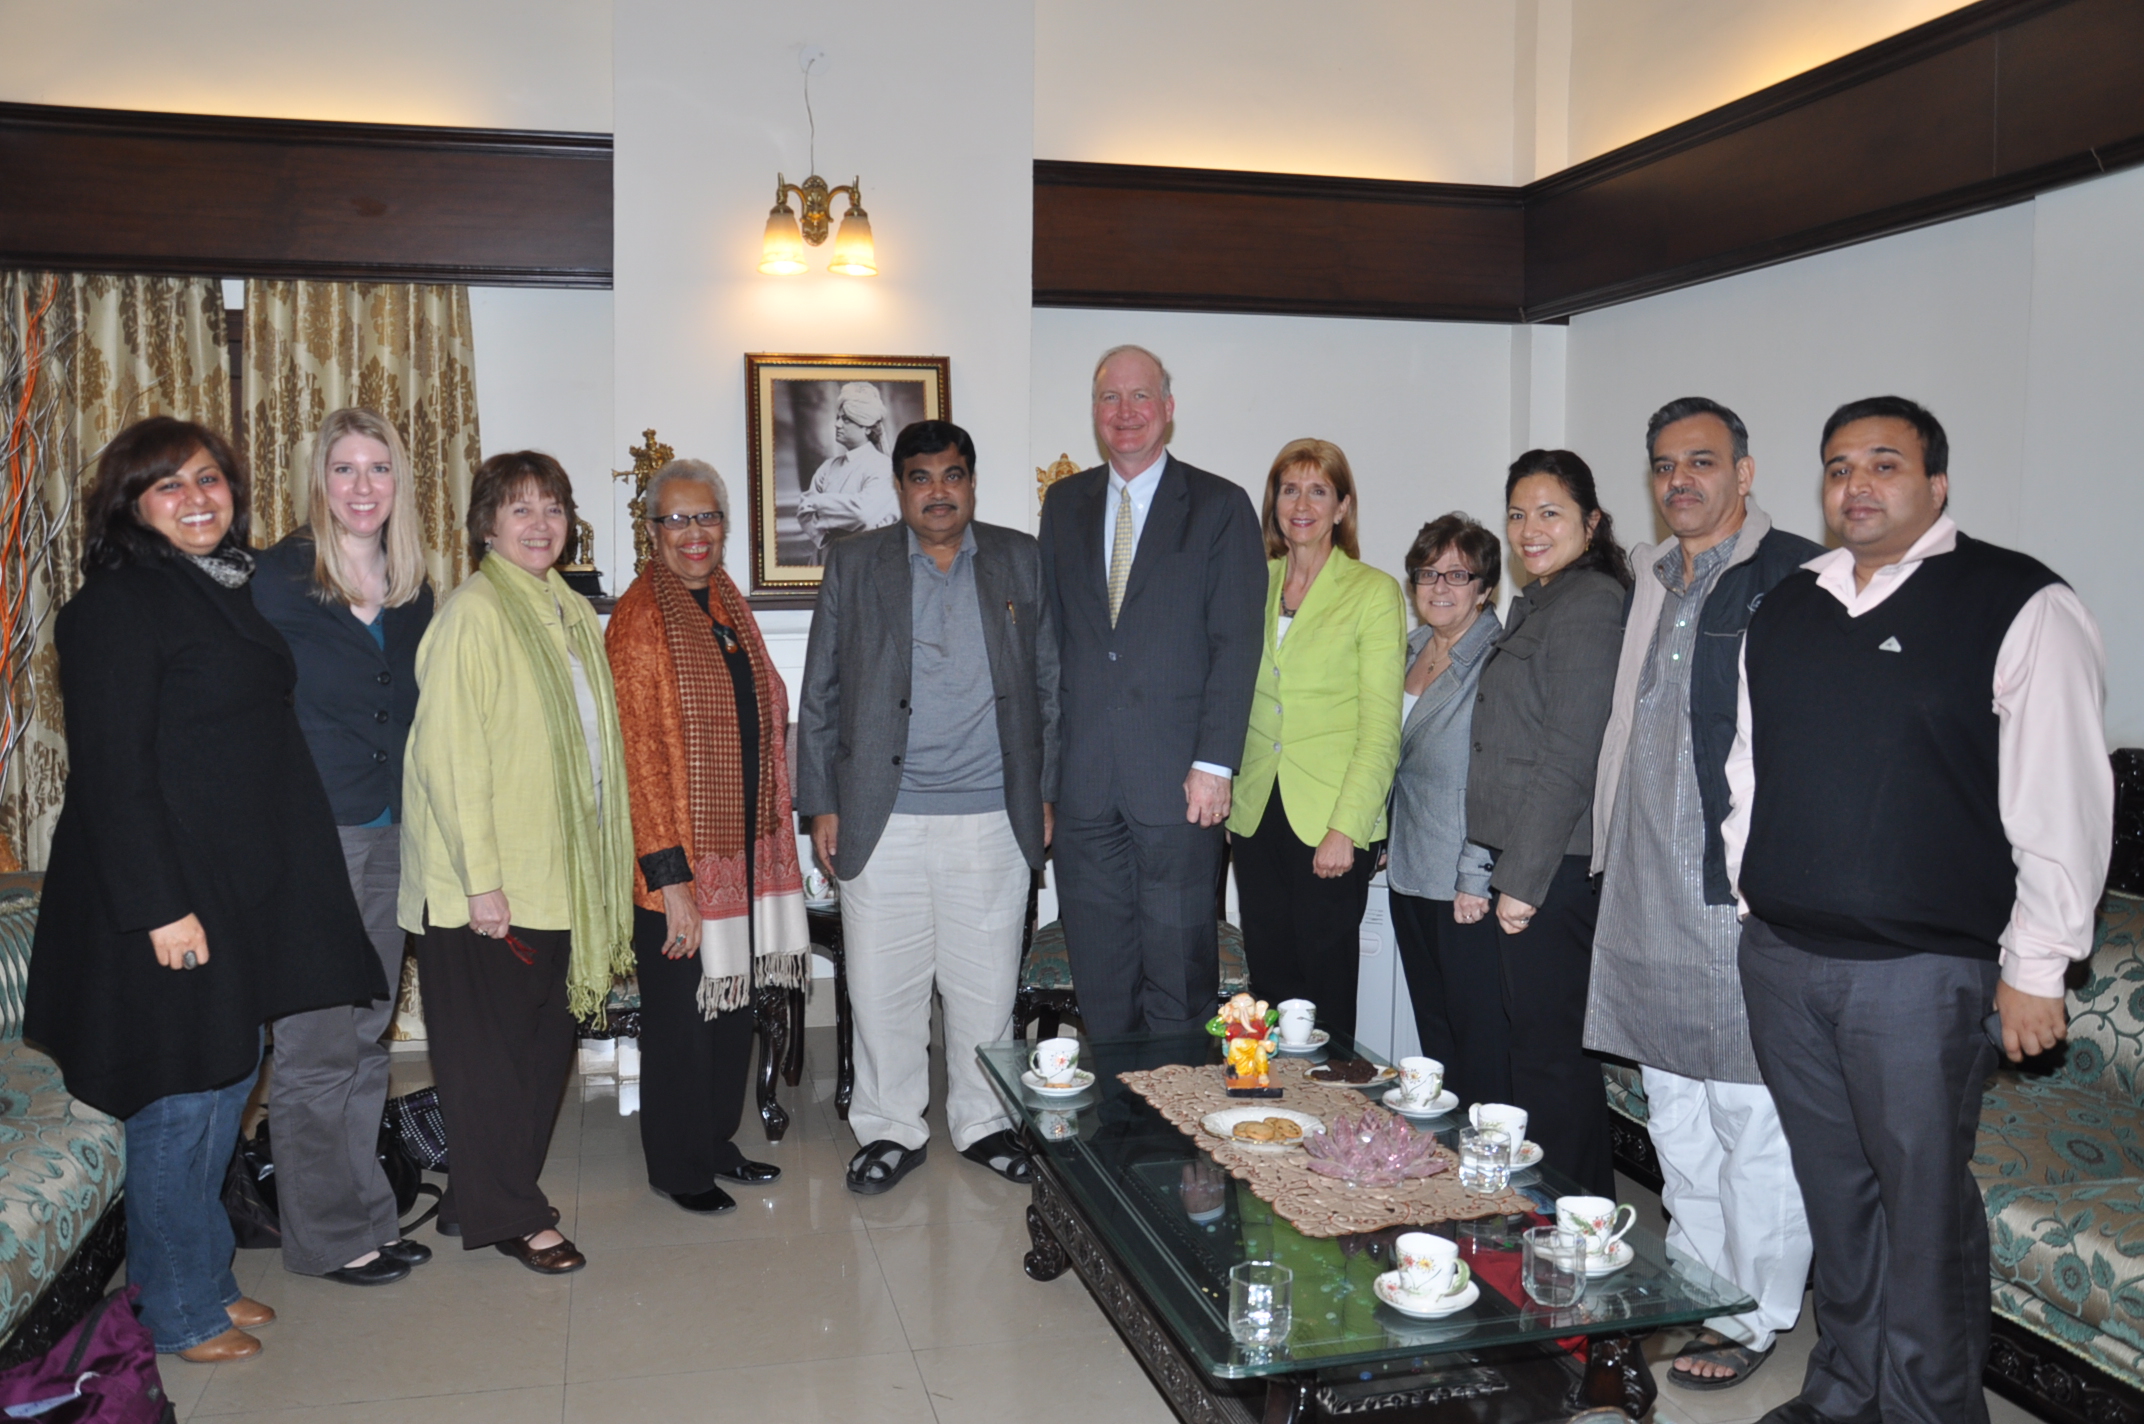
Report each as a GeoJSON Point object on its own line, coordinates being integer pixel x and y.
{"type": "Point", "coordinates": [1138, 904]}
{"type": "Point", "coordinates": [329, 1087]}
{"type": "Point", "coordinates": [1877, 1067]}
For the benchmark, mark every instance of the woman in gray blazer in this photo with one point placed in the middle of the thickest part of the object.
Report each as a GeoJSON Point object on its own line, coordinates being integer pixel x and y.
{"type": "Point", "coordinates": [1538, 724]}
{"type": "Point", "coordinates": [1439, 880]}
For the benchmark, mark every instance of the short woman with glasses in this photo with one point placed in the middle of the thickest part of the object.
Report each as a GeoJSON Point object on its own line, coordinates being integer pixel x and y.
{"type": "Point", "coordinates": [719, 901]}
{"type": "Point", "coordinates": [1439, 881]}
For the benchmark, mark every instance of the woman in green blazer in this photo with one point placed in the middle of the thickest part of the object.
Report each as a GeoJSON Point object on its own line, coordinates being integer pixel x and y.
{"type": "Point", "coordinates": [1323, 743]}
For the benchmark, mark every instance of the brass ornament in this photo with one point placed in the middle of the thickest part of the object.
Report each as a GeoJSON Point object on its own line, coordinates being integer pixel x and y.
{"type": "Point", "coordinates": [1064, 465]}
{"type": "Point", "coordinates": [648, 459]}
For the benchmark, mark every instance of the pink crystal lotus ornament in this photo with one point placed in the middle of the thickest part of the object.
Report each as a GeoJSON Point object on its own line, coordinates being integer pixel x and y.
{"type": "Point", "coordinates": [1374, 1150]}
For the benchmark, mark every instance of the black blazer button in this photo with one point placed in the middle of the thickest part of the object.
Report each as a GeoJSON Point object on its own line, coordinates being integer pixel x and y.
{"type": "Point", "coordinates": [290, 699]}
{"type": "Point", "coordinates": [380, 757]}
{"type": "Point", "coordinates": [1477, 746]}
{"type": "Point", "coordinates": [384, 678]}
{"type": "Point", "coordinates": [896, 761]}
{"type": "Point", "coordinates": [904, 702]}
{"type": "Point", "coordinates": [380, 716]}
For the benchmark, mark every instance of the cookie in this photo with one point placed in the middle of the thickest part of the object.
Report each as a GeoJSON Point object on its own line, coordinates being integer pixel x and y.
{"type": "Point", "coordinates": [1285, 1129]}
{"type": "Point", "coordinates": [1256, 1131]}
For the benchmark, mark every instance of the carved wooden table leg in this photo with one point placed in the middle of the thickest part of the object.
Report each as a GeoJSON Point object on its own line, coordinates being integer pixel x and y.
{"type": "Point", "coordinates": [793, 1063]}
{"type": "Point", "coordinates": [1287, 1400]}
{"type": "Point", "coordinates": [771, 1010]}
{"type": "Point", "coordinates": [844, 1034]}
{"type": "Point", "coordinates": [1617, 1376]}
{"type": "Point", "coordinates": [1048, 1260]}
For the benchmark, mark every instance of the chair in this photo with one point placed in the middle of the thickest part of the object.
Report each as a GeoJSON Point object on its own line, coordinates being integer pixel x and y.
{"type": "Point", "coordinates": [1046, 994]}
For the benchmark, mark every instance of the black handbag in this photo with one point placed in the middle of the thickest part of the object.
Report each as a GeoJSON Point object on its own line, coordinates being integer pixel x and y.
{"type": "Point", "coordinates": [249, 1193]}
{"type": "Point", "coordinates": [416, 1122]}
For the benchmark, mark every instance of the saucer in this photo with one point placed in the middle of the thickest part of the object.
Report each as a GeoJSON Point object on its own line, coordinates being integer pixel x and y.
{"type": "Point", "coordinates": [1527, 1154]}
{"type": "Point", "coordinates": [1387, 1289]}
{"type": "Point", "coordinates": [1082, 1080]}
{"type": "Point", "coordinates": [1619, 1256]}
{"type": "Point", "coordinates": [1438, 1106]}
{"type": "Point", "coordinates": [1318, 1039]}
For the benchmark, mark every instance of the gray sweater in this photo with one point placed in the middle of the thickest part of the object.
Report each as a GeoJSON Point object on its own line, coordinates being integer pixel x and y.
{"type": "Point", "coordinates": [1430, 855]}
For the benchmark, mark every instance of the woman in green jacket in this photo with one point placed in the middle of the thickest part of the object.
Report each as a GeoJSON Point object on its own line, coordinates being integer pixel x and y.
{"type": "Point", "coordinates": [1324, 739]}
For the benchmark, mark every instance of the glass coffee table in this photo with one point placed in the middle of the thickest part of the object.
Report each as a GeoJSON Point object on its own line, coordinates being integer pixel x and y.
{"type": "Point", "coordinates": [1152, 1226]}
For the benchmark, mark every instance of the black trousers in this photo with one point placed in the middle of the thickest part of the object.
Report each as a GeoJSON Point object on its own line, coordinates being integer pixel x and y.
{"type": "Point", "coordinates": [1547, 969]}
{"type": "Point", "coordinates": [1456, 981]}
{"type": "Point", "coordinates": [1877, 1067]}
{"type": "Point", "coordinates": [1138, 904]}
{"type": "Point", "coordinates": [501, 1044]}
{"type": "Point", "coordinates": [692, 1070]}
{"type": "Point", "coordinates": [1302, 935]}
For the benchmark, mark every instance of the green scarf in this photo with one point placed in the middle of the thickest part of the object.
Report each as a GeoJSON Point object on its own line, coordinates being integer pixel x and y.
{"type": "Point", "coordinates": [599, 851]}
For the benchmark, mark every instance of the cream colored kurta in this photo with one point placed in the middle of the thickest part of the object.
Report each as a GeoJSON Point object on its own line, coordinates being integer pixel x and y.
{"type": "Point", "coordinates": [480, 808]}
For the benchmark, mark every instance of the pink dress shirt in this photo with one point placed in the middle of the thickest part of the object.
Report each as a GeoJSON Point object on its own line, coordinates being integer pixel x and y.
{"type": "Point", "coordinates": [2055, 785]}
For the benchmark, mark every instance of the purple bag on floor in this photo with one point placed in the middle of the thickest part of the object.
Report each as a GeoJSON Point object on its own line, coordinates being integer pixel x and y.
{"type": "Point", "coordinates": [101, 1372]}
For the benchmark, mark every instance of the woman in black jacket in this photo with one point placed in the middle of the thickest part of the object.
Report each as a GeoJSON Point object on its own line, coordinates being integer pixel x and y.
{"type": "Point", "coordinates": [1543, 708]}
{"type": "Point", "coordinates": [195, 888]}
{"type": "Point", "coordinates": [348, 593]}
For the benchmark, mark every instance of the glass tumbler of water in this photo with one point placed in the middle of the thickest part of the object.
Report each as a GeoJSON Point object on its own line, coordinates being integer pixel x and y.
{"type": "Point", "coordinates": [1258, 1307]}
{"type": "Point", "coordinates": [1484, 1159]}
{"type": "Point", "coordinates": [1554, 1266]}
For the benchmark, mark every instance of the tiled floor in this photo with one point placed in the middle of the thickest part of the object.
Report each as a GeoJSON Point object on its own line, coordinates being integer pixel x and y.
{"type": "Point", "coordinates": [808, 1303]}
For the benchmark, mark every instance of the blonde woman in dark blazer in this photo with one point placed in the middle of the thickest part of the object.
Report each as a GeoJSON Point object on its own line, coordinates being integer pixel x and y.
{"type": "Point", "coordinates": [1324, 738]}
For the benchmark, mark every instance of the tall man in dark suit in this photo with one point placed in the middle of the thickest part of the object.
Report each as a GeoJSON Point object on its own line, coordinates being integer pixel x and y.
{"type": "Point", "coordinates": [927, 760]}
{"type": "Point", "coordinates": [1157, 580]}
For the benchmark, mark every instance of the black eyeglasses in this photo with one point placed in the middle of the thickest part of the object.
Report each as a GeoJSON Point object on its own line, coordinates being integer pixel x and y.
{"type": "Point", "coordinates": [1457, 578]}
{"type": "Point", "coordinates": [705, 519]}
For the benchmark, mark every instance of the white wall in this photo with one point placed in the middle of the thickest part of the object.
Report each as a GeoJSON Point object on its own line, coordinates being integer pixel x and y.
{"type": "Point", "coordinates": [1414, 89]}
{"type": "Point", "coordinates": [2023, 330]}
{"type": "Point", "coordinates": [522, 64]}
{"type": "Point", "coordinates": [1421, 408]}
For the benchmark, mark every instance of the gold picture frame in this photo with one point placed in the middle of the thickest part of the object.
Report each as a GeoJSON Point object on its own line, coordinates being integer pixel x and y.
{"type": "Point", "coordinates": [810, 486]}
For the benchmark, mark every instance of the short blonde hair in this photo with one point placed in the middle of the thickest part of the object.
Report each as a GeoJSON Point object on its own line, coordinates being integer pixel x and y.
{"type": "Point", "coordinates": [1327, 459]}
{"type": "Point", "coordinates": [333, 580]}
{"type": "Point", "coordinates": [1129, 350]}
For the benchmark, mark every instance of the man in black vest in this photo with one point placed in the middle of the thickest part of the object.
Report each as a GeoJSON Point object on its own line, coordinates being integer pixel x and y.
{"type": "Point", "coordinates": [1923, 811]}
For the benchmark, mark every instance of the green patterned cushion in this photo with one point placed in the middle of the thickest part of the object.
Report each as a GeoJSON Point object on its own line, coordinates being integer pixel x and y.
{"type": "Point", "coordinates": [1626, 1090]}
{"type": "Point", "coordinates": [18, 923]}
{"type": "Point", "coordinates": [2106, 1052]}
{"type": "Point", "coordinates": [61, 1164]}
{"type": "Point", "coordinates": [1048, 968]}
{"type": "Point", "coordinates": [2075, 1247]}
{"type": "Point", "coordinates": [2115, 1354]}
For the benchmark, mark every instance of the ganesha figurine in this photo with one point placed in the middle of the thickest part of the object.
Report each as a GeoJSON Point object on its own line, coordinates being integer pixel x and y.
{"type": "Point", "coordinates": [1246, 1028]}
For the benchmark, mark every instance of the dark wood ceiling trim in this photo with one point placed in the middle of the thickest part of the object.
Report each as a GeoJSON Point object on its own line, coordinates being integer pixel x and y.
{"type": "Point", "coordinates": [1198, 239]}
{"type": "Point", "coordinates": [116, 190]}
{"type": "Point", "coordinates": [1988, 105]}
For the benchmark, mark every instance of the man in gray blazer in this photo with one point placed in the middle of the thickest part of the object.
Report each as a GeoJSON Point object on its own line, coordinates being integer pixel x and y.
{"type": "Point", "coordinates": [1157, 581]}
{"type": "Point", "coordinates": [927, 760]}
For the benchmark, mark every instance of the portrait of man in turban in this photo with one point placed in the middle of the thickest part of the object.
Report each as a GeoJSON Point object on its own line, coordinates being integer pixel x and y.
{"type": "Point", "coordinates": [853, 489]}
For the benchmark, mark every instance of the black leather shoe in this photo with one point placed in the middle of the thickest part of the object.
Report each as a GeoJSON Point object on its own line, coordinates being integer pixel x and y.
{"type": "Point", "coordinates": [447, 1228]}
{"type": "Point", "coordinates": [562, 1259]}
{"type": "Point", "coordinates": [409, 1253]}
{"type": "Point", "coordinates": [752, 1174]}
{"type": "Point", "coordinates": [1797, 1411]}
{"type": "Point", "coordinates": [381, 1270]}
{"type": "Point", "coordinates": [708, 1203]}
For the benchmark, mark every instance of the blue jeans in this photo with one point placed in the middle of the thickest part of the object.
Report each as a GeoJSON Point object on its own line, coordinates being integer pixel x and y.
{"type": "Point", "coordinates": [179, 1243]}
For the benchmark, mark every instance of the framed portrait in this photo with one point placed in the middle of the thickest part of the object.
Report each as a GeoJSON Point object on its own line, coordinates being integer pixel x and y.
{"type": "Point", "coordinates": [822, 442]}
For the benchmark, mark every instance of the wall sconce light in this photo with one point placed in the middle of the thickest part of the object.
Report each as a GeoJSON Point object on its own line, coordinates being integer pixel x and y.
{"type": "Point", "coordinates": [782, 252]}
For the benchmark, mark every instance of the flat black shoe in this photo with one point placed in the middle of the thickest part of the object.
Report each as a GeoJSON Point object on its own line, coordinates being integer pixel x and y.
{"type": "Point", "coordinates": [447, 1228]}
{"type": "Point", "coordinates": [409, 1253]}
{"type": "Point", "coordinates": [752, 1174]}
{"type": "Point", "coordinates": [711, 1202]}
{"type": "Point", "coordinates": [381, 1270]}
{"type": "Point", "coordinates": [879, 1166]}
{"type": "Point", "coordinates": [1002, 1153]}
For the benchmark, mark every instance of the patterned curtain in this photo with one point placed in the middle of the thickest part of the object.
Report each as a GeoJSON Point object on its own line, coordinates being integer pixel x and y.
{"type": "Point", "coordinates": [402, 350]}
{"type": "Point", "coordinates": [114, 350]}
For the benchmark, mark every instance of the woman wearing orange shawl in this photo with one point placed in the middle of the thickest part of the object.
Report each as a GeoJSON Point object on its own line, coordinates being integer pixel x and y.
{"type": "Point", "coordinates": [719, 899]}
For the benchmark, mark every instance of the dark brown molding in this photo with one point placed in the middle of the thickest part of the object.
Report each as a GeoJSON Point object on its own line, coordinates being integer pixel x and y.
{"type": "Point", "coordinates": [1989, 105]}
{"type": "Point", "coordinates": [116, 190]}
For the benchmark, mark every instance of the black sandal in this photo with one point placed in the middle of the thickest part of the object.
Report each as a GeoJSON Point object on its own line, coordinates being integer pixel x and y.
{"type": "Point", "coordinates": [1712, 1348]}
{"type": "Point", "coordinates": [880, 1166]}
{"type": "Point", "coordinates": [1002, 1153]}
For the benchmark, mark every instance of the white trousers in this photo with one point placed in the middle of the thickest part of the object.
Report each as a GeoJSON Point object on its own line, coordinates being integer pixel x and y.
{"type": "Point", "coordinates": [1731, 1192]}
{"type": "Point", "coordinates": [941, 901]}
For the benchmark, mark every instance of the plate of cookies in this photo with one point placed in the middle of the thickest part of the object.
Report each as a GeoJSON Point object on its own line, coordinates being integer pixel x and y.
{"type": "Point", "coordinates": [1261, 1129]}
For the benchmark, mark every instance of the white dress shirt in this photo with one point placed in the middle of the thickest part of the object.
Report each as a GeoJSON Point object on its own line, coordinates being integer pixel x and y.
{"type": "Point", "coordinates": [1140, 490]}
{"type": "Point", "coordinates": [2055, 786]}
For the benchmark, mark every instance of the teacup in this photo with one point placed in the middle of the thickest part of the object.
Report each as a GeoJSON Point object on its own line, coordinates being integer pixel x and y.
{"type": "Point", "coordinates": [1502, 1117]}
{"type": "Point", "coordinates": [1421, 1079]}
{"type": "Point", "coordinates": [1429, 1265]}
{"type": "Point", "coordinates": [1054, 1060]}
{"type": "Point", "coordinates": [1297, 1018]}
{"type": "Point", "coordinates": [1595, 1219]}
{"type": "Point", "coordinates": [1057, 1126]}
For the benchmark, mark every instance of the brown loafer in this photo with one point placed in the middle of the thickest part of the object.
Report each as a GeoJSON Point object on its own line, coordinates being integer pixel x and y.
{"type": "Point", "coordinates": [232, 1344]}
{"type": "Point", "coordinates": [560, 1260]}
{"type": "Point", "coordinates": [249, 1314]}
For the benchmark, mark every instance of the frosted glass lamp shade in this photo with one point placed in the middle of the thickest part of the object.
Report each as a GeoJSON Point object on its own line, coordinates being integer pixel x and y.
{"type": "Point", "coordinates": [782, 254]}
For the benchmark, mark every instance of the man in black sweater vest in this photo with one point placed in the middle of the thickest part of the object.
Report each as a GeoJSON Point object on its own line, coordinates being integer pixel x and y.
{"type": "Point", "coordinates": [1923, 811]}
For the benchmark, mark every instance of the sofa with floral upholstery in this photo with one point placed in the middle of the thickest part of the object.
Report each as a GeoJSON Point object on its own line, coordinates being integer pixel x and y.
{"type": "Point", "coordinates": [62, 1165]}
{"type": "Point", "coordinates": [2060, 1162]}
